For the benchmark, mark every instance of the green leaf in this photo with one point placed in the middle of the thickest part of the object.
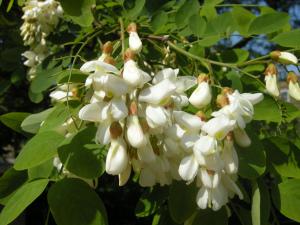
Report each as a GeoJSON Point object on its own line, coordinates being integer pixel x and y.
{"type": "Point", "coordinates": [158, 22]}
{"type": "Point", "coordinates": [223, 24]}
{"type": "Point", "coordinates": [135, 8]}
{"type": "Point", "coordinates": [288, 39]}
{"type": "Point", "coordinates": [55, 118]}
{"type": "Point", "coordinates": [197, 25]}
{"type": "Point", "coordinates": [267, 110]}
{"type": "Point", "coordinates": [234, 55]}
{"type": "Point", "coordinates": [235, 79]}
{"type": "Point", "coordinates": [13, 120]}
{"type": "Point", "coordinates": [151, 201]}
{"type": "Point", "coordinates": [252, 160]}
{"type": "Point", "coordinates": [22, 198]}
{"type": "Point", "coordinates": [41, 171]}
{"type": "Point", "coordinates": [188, 9]}
{"type": "Point", "coordinates": [243, 18]}
{"type": "Point", "coordinates": [260, 209]}
{"type": "Point", "coordinates": [39, 149]}
{"type": "Point", "coordinates": [283, 156]}
{"type": "Point", "coordinates": [72, 201]}
{"type": "Point", "coordinates": [287, 198]}
{"type": "Point", "coordinates": [45, 77]}
{"type": "Point", "coordinates": [182, 201]}
{"type": "Point", "coordinates": [32, 123]}
{"type": "Point", "coordinates": [81, 156]}
{"type": "Point", "coordinates": [79, 11]}
{"type": "Point", "coordinates": [209, 217]}
{"type": "Point", "coordinates": [35, 97]}
{"type": "Point", "coordinates": [209, 41]}
{"type": "Point", "coordinates": [10, 181]}
{"type": "Point", "coordinates": [268, 23]}
{"type": "Point", "coordinates": [290, 111]}
{"type": "Point", "coordinates": [76, 76]}
{"type": "Point", "coordinates": [212, 2]}
{"type": "Point", "coordinates": [10, 4]}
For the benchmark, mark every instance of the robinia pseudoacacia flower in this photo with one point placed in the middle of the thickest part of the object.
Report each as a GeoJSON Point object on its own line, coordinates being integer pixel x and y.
{"type": "Point", "coordinates": [140, 117]}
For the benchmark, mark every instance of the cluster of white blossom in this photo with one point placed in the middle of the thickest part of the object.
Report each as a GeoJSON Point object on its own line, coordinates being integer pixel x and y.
{"type": "Point", "coordinates": [284, 58]}
{"type": "Point", "coordinates": [140, 118]}
{"type": "Point", "coordinates": [40, 18]}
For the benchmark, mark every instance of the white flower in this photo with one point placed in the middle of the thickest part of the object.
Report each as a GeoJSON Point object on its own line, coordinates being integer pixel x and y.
{"type": "Point", "coordinates": [271, 85]}
{"type": "Point", "coordinates": [294, 89]}
{"type": "Point", "coordinates": [201, 96]}
{"type": "Point", "coordinates": [205, 145]}
{"type": "Point", "coordinates": [118, 109]}
{"type": "Point", "coordinates": [135, 43]}
{"type": "Point", "coordinates": [103, 133]}
{"type": "Point", "coordinates": [117, 159]}
{"type": "Point", "coordinates": [125, 175]}
{"type": "Point", "coordinates": [175, 132]}
{"type": "Point", "coordinates": [230, 157]}
{"type": "Point", "coordinates": [146, 153]}
{"type": "Point", "coordinates": [210, 179]}
{"type": "Point", "coordinates": [253, 98]}
{"type": "Point", "coordinates": [147, 178]}
{"type": "Point", "coordinates": [111, 84]}
{"type": "Point", "coordinates": [241, 137]}
{"type": "Point", "coordinates": [132, 74]}
{"type": "Point", "coordinates": [94, 112]}
{"type": "Point", "coordinates": [284, 57]}
{"type": "Point", "coordinates": [231, 187]}
{"type": "Point", "coordinates": [188, 141]}
{"type": "Point", "coordinates": [157, 116]}
{"type": "Point", "coordinates": [188, 168]}
{"type": "Point", "coordinates": [188, 121]}
{"type": "Point", "coordinates": [159, 93]}
{"type": "Point", "coordinates": [135, 134]}
{"type": "Point", "coordinates": [218, 127]}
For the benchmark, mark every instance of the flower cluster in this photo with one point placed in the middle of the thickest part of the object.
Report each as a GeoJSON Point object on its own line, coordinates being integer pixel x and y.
{"type": "Point", "coordinates": [285, 58]}
{"type": "Point", "coordinates": [141, 118]}
{"type": "Point", "coordinates": [40, 18]}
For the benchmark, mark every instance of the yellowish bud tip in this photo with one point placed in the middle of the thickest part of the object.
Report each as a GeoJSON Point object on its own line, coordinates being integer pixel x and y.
{"type": "Point", "coordinates": [222, 100]}
{"type": "Point", "coordinates": [107, 48]}
{"type": "Point", "coordinates": [128, 55]}
{"type": "Point", "coordinates": [115, 130]}
{"type": "Point", "coordinates": [132, 27]}
{"type": "Point", "coordinates": [133, 108]}
{"type": "Point", "coordinates": [202, 78]}
{"type": "Point", "coordinates": [210, 172]}
{"type": "Point", "coordinates": [292, 77]}
{"type": "Point", "coordinates": [109, 60]}
{"type": "Point", "coordinates": [271, 70]}
{"type": "Point", "coordinates": [275, 55]}
{"type": "Point", "coordinates": [201, 115]}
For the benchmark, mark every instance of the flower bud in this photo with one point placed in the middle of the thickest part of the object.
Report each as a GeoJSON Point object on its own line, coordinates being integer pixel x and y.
{"type": "Point", "coordinates": [201, 96]}
{"type": "Point", "coordinates": [117, 159]}
{"type": "Point", "coordinates": [271, 80]}
{"type": "Point", "coordinates": [285, 58]}
{"type": "Point", "coordinates": [294, 89]}
{"type": "Point", "coordinates": [135, 43]}
{"type": "Point", "coordinates": [241, 137]}
{"type": "Point", "coordinates": [125, 175]}
{"type": "Point", "coordinates": [188, 168]}
{"type": "Point", "coordinates": [107, 48]}
{"type": "Point", "coordinates": [135, 134]}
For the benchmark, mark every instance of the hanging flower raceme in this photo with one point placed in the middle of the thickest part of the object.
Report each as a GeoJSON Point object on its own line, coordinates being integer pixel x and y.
{"type": "Point", "coordinates": [40, 19]}
{"type": "Point", "coordinates": [294, 89]}
{"type": "Point", "coordinates": [271, 80]}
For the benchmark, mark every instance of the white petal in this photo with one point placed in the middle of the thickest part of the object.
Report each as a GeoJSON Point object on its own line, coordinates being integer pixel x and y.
{"type": "Point", "coordinates": [111, 84]}
{"type": "Point", "coordinates": [117, 158]}
{"type": "Point", "coordinates": [132, 74]}
{"type": "Point", "coordinates": [231, 185]}
{"type": "Point", "coordinates": [203, 198]}
{"type": "Point", "coordinates": [294, 90]}
{"type": "Point", "coordinates": [92, 112]}
{"type": "Point", "coordinates": [188, 121]}
{"type": "Point", "coordinates": [125, 175]}
{"type": "Point", "coordinates": [205, 145]}
{"type": "Point", "coordinates": [134, 133]}
{"type": "Point", "coordinates": [253, 98]}
{"type": "Point", "coordinates": [201, 96]}
{"type": "Point", "coordinates": [118, 109]}
{"type": "Point", "coordinates": [156, 116]}
{"type": "Point", "coordinates": [188, 168]}
{"type": "Point", "coordinates": [218, 127]}
{"type": "Point", "coordinates": [58, 95]}
{"type": "Point", "coordinates": [167, 73]}
{"type": "Point", "coordinates": [271, 85]}
{"type": "Point", "coordinates": [287, 57]}
{"type": "Point", "coordinates": [180, 100]}
{"type": "Point", "coordinates": [188, 141]}
{"type": "Point", "coordinates": [103, 133]}
{"type": "Point", "coordinates": [241, 137]}
{"type": "Point", "coordinates": [146, 153]}
{"type": "Point", "coordinates": [184, 83]}
{"type": "Point", "coordinates": [135, 43]}
{"type": "Point", "coordinates": [158, 93]}
{"type": "Point", "coordinates": [219, 197]}
{"type": "Point", "coordinates": [97, 65]}
{"type": "Point", "coordinates": [175, 132]}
